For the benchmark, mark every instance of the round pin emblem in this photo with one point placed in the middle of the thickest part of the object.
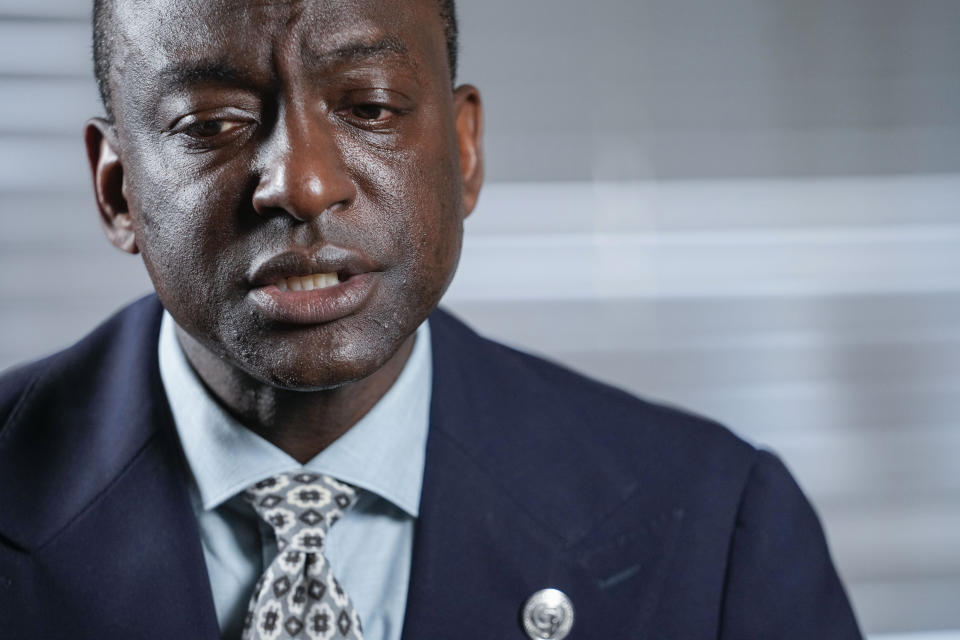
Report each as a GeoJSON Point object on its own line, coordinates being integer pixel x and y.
{"type": "Point", "coordinates": [548, 615]}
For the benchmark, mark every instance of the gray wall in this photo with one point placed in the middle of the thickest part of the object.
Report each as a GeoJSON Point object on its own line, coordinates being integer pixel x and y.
{"type": "Point", "coordinates": [747, 208]}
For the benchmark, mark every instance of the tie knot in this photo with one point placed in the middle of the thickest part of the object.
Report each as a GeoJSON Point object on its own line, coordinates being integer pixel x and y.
{"type": "Point", "coordinates": [300, 507]}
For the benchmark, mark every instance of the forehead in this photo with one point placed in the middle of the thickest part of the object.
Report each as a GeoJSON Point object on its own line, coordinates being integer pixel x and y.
{"type": "Point", "coordinates": [152, 35]}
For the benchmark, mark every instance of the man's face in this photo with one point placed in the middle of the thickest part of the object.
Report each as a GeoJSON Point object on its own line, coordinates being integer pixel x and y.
{"type": "Point", "coordinates": [266, 147]}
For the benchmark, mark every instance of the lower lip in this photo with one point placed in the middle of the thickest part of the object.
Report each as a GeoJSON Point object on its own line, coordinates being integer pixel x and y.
{"type": "Point", "coordinates": [317, 306]}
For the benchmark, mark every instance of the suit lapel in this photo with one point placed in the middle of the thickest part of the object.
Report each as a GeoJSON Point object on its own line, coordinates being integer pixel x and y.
{"type": "Point", "coordinates": [98, 501]}
{"type": "Point", "coordinates": [518, 496]}
{"type": "Point", "coordinates": [476, 557]}
{"type": "Point", "coordinates": [137, 547]}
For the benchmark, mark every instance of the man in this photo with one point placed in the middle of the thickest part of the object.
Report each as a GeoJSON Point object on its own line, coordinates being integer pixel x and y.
{"type": "Point", "coordinates": [287, 447]}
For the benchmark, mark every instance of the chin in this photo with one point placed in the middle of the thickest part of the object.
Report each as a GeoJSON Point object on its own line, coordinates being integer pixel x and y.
{"type": "Point", "coordinates": [303, 364]}
{"type": "Point", "coordinates": [326, 378]}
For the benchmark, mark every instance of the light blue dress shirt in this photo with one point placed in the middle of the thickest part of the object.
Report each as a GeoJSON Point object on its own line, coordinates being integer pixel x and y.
{"type": "Point", "coordinates": [370, 547]}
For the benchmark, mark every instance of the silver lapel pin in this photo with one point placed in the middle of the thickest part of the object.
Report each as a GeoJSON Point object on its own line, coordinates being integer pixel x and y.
{"type": "Point", "coordinates": [547, 615]}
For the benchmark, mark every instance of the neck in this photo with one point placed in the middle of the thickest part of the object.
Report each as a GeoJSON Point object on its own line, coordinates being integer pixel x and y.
{"type": "Point", "coordinates": [300, 423]}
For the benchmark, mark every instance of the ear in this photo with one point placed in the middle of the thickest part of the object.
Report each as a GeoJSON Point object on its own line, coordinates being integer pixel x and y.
{"type": "Point", "coordinates": [108, 184]}
{"type": "Point", "coordinates": [469, 121]}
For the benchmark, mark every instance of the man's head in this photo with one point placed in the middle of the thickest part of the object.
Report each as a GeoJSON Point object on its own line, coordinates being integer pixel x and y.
{"type": "Point", "coordinates": [254, 144]}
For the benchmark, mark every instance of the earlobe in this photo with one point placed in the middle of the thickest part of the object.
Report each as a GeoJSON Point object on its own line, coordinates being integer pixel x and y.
{"type": "Point", "coordinates": [469, 120]}
{"type": "Point", "coordinates": [108, 184]}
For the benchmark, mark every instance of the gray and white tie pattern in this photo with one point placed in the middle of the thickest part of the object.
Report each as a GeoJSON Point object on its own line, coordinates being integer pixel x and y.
{"type": "Point", "coordinates": [297, 595]}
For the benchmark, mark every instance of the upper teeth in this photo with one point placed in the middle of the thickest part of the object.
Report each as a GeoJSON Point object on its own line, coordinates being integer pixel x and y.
{"type": "Point", "coordinates": [308, 283]}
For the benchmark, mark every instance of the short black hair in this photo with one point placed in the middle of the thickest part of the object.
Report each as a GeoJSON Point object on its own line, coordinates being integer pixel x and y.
{"type": "Point", "coordinates": [103, 44]}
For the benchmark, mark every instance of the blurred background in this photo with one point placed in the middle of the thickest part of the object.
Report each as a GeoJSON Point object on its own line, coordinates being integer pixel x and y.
{"type": "Point", "coordinates": [748, 208]}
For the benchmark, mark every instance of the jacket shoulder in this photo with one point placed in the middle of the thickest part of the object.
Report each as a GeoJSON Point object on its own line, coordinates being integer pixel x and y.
{"type": "Point", "coordinates": [541, 386]}
{"type": "Point", "coordinates": [583, 450]}
{"type": "Point", "coordinates": [72, 369]}
{"type": "Point", "coordinates": [16, 384]}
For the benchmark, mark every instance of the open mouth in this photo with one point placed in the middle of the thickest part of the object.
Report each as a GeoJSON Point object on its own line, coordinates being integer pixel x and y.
{"type": "Point", "coordinates": [316, 298]}
{"type": "Point", "coordinates": [309, 282]}
{"type": "Point", "coordinates": [312, 286]}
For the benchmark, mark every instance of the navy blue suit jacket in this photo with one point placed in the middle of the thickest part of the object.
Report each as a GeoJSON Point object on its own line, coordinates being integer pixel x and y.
{"type": "Point", "coordinates": [656, 523]}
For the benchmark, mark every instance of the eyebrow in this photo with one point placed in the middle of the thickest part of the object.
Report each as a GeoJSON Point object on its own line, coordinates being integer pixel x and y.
{"type": "Point", "coordinates": [357, 52]}
{"type": "Point", "coordinates": [184, 74]}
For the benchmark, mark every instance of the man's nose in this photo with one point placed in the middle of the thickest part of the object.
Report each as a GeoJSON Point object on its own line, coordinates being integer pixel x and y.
{"type": "Point", "coordinates": [302, 171]}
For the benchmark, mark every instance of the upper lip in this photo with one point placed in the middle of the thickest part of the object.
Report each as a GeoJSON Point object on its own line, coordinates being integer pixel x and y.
{"type": "Point", "coordinates": [304, 262]}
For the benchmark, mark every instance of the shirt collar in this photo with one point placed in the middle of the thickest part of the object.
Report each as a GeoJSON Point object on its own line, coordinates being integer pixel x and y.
{"type": "Point", "coordinates": [382, 453]}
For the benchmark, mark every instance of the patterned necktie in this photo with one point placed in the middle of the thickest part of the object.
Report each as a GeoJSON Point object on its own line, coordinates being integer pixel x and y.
{"type": "Point", "coordinates": [297, 595]}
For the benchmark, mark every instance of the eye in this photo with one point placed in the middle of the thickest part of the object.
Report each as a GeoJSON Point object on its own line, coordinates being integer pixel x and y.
{"type": "Point", "coordinates": [370, 112]}
{"type": "Point", "coordinates": [204, 129]}
{"type": "Point", "coordinates": [374, 109]}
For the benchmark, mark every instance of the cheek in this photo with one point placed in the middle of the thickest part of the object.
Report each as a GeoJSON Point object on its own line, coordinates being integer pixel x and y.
{"type": "Point", "coordinates": [433, 235]}
{"type": "Point", "coordinates": [441, 223]}
{"type": "Point", "coordinates": [415, 202]}
{"type": "Point", "coordinates": [183, 234]}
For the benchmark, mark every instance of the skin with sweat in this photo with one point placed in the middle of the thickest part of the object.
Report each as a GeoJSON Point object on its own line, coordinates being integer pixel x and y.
{"type": "Point", "coordinates": [258, 141]}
